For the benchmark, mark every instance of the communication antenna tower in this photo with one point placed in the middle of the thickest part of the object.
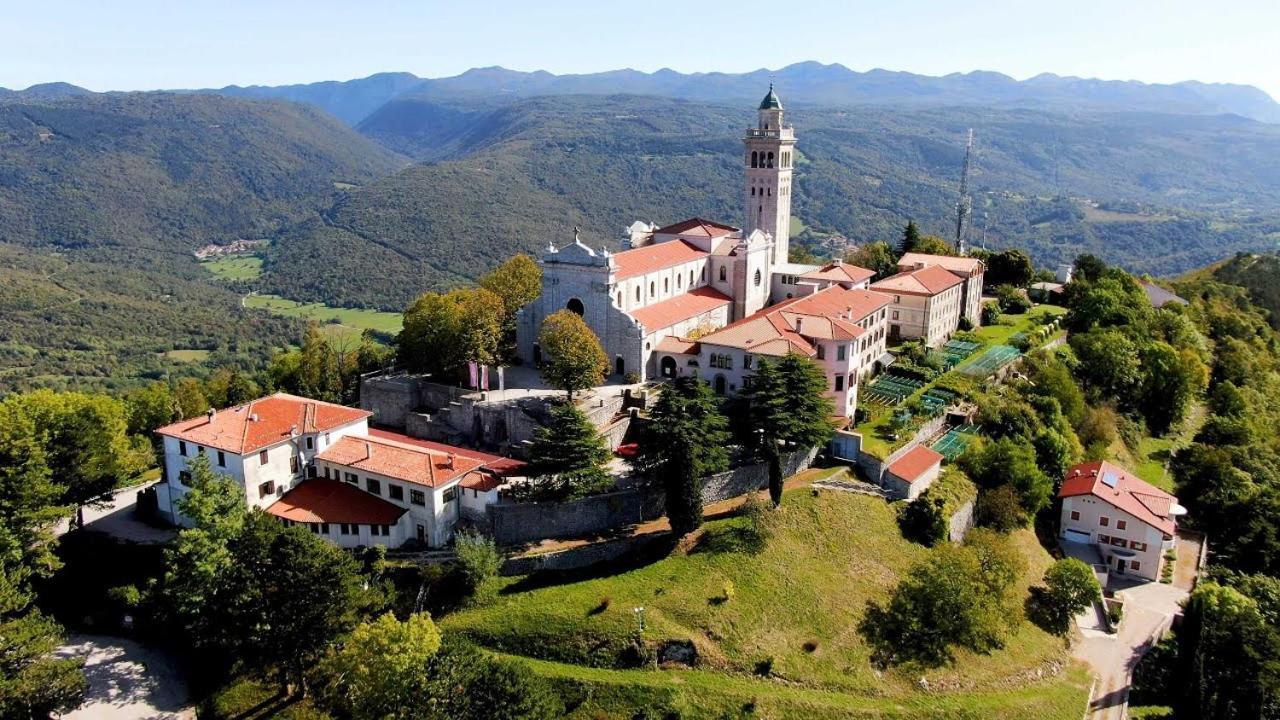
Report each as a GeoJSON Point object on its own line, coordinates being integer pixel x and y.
{"type": "Point", "coordinates": [964, 204]}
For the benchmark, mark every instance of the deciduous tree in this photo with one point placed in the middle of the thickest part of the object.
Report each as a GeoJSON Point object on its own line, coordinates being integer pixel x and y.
{"type": "Point", "coordinates": [382, 670]}
{"type": "Point", "coordinates": [876, 256]}
{"type": "Point", "coordinates": [575, 360]}
{"type": "Point", "coordinates": [1070, 587]}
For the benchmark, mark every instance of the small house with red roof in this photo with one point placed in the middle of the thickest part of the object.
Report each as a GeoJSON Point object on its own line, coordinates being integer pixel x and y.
{"type": "Point", "coordinates": [927, 304]}
{"type": "Point", "coordinates": [912, 472]}
{"type": "Point", "coordinates": [1130, 521]}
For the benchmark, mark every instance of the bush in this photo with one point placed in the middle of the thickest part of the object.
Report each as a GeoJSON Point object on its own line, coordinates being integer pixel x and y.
{"type": "Point", "coordinates": [478, 556]}
{"type": "Point", "coordinates": [924, 520]}
{"type": "Point", "coordinates": [1012, 300]}
{"type": "Point", "coordinates": [1069, 587]}
{"type": "Point", "coordinates": [990, 314]}
{"type": "Point", "coordinates": [1000, 509]}
{"type": "Point", "coordinates": [965, 324]}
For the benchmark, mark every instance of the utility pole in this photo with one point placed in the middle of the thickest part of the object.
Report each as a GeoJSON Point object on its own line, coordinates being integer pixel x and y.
{"type": "Point", "coordinates": [964, 203]}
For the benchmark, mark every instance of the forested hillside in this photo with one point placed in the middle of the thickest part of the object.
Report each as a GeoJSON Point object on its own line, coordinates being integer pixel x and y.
{"type": "Point", "coordinates": [103, 200]}
{"type": "Point", "coordinates": [1154, 193]}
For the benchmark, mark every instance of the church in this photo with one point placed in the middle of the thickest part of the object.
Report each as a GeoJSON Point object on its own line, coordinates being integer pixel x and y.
{"type": "Point", "coordinates": [703, 297]}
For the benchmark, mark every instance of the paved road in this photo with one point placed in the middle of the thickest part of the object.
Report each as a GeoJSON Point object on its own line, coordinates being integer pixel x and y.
{"type": "Point", "coordinates": [1148, 610]}
{"type": "Point", "coordinates": [127, 681]}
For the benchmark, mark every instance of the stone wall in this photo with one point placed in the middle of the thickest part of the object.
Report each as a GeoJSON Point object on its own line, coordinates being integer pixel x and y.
{"type": "Point", "coordinates": [873, 468]}
{"type": "Point", "coordinates": [390, 398]}
{"type": "Point", "coordinates": [627, 548]}
{"type": "Point", "coordinates": [961, 522]}
{"type": "Point", "coordinates": [517, 523]}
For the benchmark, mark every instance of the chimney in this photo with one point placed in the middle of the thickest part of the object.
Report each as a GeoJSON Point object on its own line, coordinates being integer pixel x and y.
{"type": "Point", "coordinates": [211, 414]}
{"type": "Point", "coordinates": [448, 461]}
{"type": "Point", "coordinates": [368, 450]}
{"type": "Point", "coordinates": [253, 417]}
{"type": "Point", "coordinates": [799, 325]}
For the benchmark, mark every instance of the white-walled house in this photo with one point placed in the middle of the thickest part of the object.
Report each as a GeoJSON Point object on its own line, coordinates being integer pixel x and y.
{"type": "Point", "coordinates": [841, 330]}
{"type": "Point", "coordinates": [1130, 521]}
{"type": "Point", "coordinates": [971, 270]}
{"type": "Point", "coordinates": [910, 475]}
{"type": "Point", "coordinates": [265, 445]}
{"type": "Point", "coordinates": [319, 465]}
{"type": "Point", "coordinates": [926, 304]}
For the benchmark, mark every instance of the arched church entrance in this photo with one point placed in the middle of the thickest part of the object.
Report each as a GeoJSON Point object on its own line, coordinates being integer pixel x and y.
{"type": "Point", "coordinates": [619, 366]}
{"type": "Point", "coordinates": [575, 305]}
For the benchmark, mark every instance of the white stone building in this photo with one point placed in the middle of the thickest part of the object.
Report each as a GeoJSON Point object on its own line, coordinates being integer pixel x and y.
{"type": "Point", "coordinates": [842, 330]}
{"type": "Point", "coordinates": [970, 270]}
{"type": "Point", "coordinates": [1131, 522]}
{"type": "Point", "coordinates": [319, 464]}
{"type": "Point", "coordinates": [926, 304]}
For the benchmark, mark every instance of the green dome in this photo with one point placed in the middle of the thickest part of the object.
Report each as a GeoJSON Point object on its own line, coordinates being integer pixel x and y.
{"type": "Point", "coordinates": [771, 101]}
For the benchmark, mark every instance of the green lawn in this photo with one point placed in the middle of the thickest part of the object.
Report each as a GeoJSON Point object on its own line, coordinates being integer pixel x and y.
{"type": "Point", "coordinates": [796, 604]}
{"type": "Point", "coordinates": [354, 319]}
{"type": "Point", "coordinates": [235, 267]}
{"type": "Point", "coordinates": [1150, 462]}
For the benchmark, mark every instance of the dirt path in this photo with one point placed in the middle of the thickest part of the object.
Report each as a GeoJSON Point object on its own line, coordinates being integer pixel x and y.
{"type": "Point", "coordinates": [127, 681]}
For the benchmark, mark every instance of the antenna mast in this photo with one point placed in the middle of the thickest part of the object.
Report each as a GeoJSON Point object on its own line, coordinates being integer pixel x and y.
{"type": "Point", "coordinates": [964, 203]}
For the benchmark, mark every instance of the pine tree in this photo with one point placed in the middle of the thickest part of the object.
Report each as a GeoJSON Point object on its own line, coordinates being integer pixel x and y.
{"type": "Point", "coordinates": [570, 453]}
{"type": "Point", "coordinates": [910, 238]}
{"type": "Point", "coordinates": [787, 407]}
{"type": "Point", "coordinates": [684, 442]}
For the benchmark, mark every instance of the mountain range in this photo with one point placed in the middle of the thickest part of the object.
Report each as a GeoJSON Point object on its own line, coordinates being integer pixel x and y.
{"type": "Point", "coordinates": [372, 191]}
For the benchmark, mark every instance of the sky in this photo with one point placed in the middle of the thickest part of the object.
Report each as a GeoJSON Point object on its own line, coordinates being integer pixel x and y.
{"type": "Point", "coordinates": [148, 45]}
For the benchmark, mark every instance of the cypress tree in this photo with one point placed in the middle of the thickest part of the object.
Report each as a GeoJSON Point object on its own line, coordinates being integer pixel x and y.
{"type": "Point", "coordinates": [787, 407]}
{"type": "Point", "coordinates": [684, 442]}
{"type": "Point", "coordinates": [910, 238]}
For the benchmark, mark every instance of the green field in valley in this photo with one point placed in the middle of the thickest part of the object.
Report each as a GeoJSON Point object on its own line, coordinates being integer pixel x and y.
{"type": "Point", "coordinates": [793, 607]}
{"type": "Point", "coordinates": [235, 267]}
{"type": "Point", "coordinates": [338, 322]}
{"type": "Point", "coordinates": [188, 356]}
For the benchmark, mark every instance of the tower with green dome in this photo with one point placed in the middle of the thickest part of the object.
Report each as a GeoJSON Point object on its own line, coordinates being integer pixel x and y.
{"type": "Point", "coordinates": [768, 157]}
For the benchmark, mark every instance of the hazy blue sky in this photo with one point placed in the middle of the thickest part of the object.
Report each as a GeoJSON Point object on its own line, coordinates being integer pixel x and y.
{"type": "Point", "coordinates": [127, 44]}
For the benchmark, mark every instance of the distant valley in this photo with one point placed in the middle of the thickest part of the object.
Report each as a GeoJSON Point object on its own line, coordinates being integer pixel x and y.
{"type": "Point", "coordinates": [369, 192]}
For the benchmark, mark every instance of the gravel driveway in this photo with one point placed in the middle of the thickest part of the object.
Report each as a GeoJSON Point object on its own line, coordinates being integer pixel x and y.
{"type": "Point", "coordinates": [127, 681]}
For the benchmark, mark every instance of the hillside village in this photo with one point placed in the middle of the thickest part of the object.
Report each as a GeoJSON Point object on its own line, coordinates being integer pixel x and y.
{"type": "Point", "coordinates": [679, 473]}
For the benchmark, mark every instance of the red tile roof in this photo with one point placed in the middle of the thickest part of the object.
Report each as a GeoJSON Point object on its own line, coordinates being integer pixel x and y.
{"type": "Point", "coordinates": [960, 265]}
{"type": "Point", "coordinates": [650, 258]}
{"type": "Point", "coordinates": [915, 463]}
{"type": "Point", "coordinates": [830, 313]}
{"type": "Point", "coordinates": [277, 418]}
{"type": "Point", "coordinates": [1120, 488]}
{"type": "Point", "coordinates": [929, 280]}
{"type": "Point", "coordinates": [320, 500]}
{"type": "Point", "coordinates": [681, 346]}
{"type": "Point", "coordinates": [681, 307]}
{"type": "Point", "coordinates": [503, 466]}
{"type": "Point", "coordinates": [481, 481]}
{"type": "Point", "coordinates": [418, 465]}
{"type": "Point", "coordinates": [840, 272]}
{"type": "Point", "coordinates": [697, 226]}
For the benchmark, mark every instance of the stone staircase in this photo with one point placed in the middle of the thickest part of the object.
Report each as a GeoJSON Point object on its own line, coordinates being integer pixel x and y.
{"type": "Point", "coordinates": [848, 484]}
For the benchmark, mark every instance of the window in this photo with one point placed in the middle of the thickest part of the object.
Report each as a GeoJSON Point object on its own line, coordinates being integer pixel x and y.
{"type": "Point", "coordinates": [666, 285]}
{"type": "Point", "coordinates": [895, 314]}
{"type": "Point", "coordinates": [351, 478]}
{"type": "Point", "coordinates": [311, 442]}
{"type": "Point", "coordinates": [395, 492]}
{"type": "Point", "coordinates": [653, 288]}
{"type": "Point", "coordinates": [1075, 514]}
{"type": "Point", "coordinates": [293, 464]}
{"type": "Point", "coordinates": [182, 448]}
{"type": "Point", "coordinates": [184, 477]}
{"type": "Point", "coordinates": [704, 273]}
{"type": "Point", "coordinates": [326, 471]}
{"type": "Point", "coordinates": [1104, 539]}
{"type": "Point", "coordinates": [1139, 546]}
{"type": "Point", "coordinates": [324, 528]}
{"type": "Point", "coordinates": [266, 488]}
{"type": "Point", "coordinates": [417, 497]}
{"type": "Point", "coordinates": [1118, 541]}
{"type": "Point", "coordinates": [619, 298]}
{"type": "Point", "coordinates": [757, 278]}
{"type": "Point", "coordinates": [262, 457]}
{"type": "Point", "coordinates": [746, 362]}
{"type": "Point", "coordinates": [451, 494]}
{"type": "Point", "coordinates": [897, 298]}
{"type": "Point", "coordinates": [1120, 524]}
{"type": "Point", "coordinates": [839, 383]}
{"type": "Point", "coordinates": [723, 274]}
{"type": "Point", "coordinates": [840, 352]}
{"type": "Point", "coordinates": [1104, 521]}
{"type": "Point", "coordinates": [637, 293]}
{"type": "Point", "coordinates": [222, 459]}
{"type": "Point", "coordinates": [1135, 565]}
{"type": "Point", "coordinates": [373, 486]}
{"type": "Point", "coordinates": [344, 528]}
{"type": "Point", "coordinates": [822, 352]}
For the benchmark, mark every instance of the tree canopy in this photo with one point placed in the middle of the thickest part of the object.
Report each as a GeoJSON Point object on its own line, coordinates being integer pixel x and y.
{"type": "Point", "coordinates": [786, 407]}
{"type": "Point", "coordinates": [573, 357]}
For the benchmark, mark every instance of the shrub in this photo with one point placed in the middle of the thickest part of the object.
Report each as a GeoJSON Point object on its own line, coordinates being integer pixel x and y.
{"type": "Point", "coordinates": [990, 314]}
{"type": "Point", "coordinates": [1070, 587]}
{"type": "Point", "coordinates": [1000, 509]}
{"type": "Point", "coordinates": [924, 520]}
{"type": "Point", "coordinates": [478, 556]}
{"type": "Point", "coordinates": [965, 324]}
{"type": "Point", "coordinates": [1012, 300]}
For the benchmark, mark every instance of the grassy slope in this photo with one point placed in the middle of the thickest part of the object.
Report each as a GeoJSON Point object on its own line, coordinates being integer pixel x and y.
{"type": "Point", "coordinates": [235, 267]}
{"type": "Point", "coordinates": [830, 555]}
{"type": "Point", "coordinates": [356, 319]}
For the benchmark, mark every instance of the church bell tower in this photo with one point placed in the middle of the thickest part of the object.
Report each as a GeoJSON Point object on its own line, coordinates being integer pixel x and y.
{"type": "Point", "coordinates": [768, 157]}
